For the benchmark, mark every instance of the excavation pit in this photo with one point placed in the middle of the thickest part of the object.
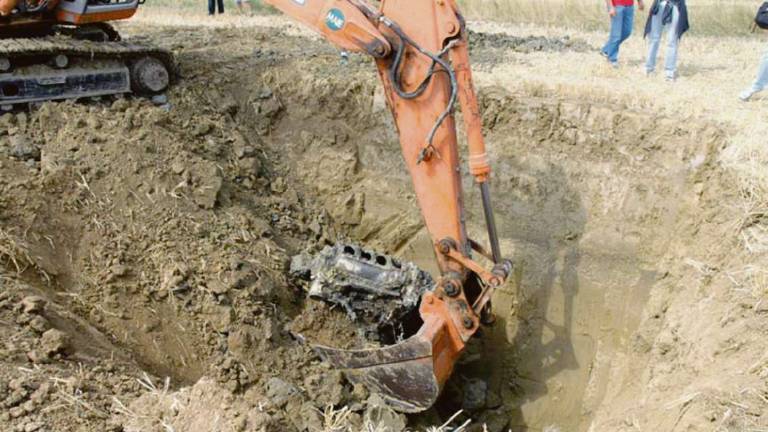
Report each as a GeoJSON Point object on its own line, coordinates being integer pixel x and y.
{"type": "Point", "coordinates": [159, 242]}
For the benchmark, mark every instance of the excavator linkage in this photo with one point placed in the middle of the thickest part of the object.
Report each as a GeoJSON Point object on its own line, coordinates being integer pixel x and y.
{"type": "Point", "coordinates": [422, 55]}
{"type": "Point", "coordinates": [376, 291]}
{"type": "Point", "coordinates": [383, 296]}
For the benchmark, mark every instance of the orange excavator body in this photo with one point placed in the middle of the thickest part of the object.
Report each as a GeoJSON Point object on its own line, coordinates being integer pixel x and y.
{"type": "Point", "coordinates": [421, 52]}
{"type": "Point", "coordinates": [77, 12]}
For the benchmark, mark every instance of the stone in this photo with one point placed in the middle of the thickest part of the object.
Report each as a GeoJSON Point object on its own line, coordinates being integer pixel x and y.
{"type": "Point", "coordinates": [250, 165]}
{"type": "Point", "coordinates": [278, 185]}
{"type": "Point", "coordinates": [16, 412]}
{"type": "Point", "coordinates": [37, 357]}
{"type": "Point", "coordinates": [240, 340]}
{"type": "Point", "coordinates": [22, 149]}
{"type": "Point", "coordinates": [33, 426]}
{"type": "Point", "coordinates": [221, 317]}
{"type": "Point", "coordinates": [54, 342]}
{"type": "Point", "coordinates": [202, 129]}
{"type": "Point", "coordinates": [380, 414]}
{"type": "Point", "coordinates": [39, 324]}
{"type": "Point", "coordinates": [311, 418]}
{"type": "Point", "coordinates": [178, 167]}
{"type": "Point", "coordinates": [475, 392]}
{"type": "Point", "coordinates": [33, 305]}
{"type": "Point", "coordinates": [279, 391]}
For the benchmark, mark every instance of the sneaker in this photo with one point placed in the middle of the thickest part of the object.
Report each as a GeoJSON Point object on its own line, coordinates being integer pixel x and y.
{"type": "Point", "coordinates": [747, 94]}
{"type": "Point", "coordinates": [670, 78]}
{"type": "Point", "coordinates": [648, 72]}
{"type": "Point", "coordinates": [604, 54]}
{"type": "Point", "coordinates": [615, 65]}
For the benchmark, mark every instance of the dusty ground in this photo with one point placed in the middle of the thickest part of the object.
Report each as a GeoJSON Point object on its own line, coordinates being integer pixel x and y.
{"type": "Point", "coordinates": [144, 249]}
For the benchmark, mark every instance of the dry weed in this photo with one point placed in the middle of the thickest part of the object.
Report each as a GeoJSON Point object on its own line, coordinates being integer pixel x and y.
{"type": "Point", "coordinates": [709, 17]}
{"type": "Point", "coordinates": [14, 252]}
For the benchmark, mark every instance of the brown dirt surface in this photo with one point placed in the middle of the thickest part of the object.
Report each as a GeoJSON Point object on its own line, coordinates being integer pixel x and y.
{"type": "Point", "coordinates": [144, 251]}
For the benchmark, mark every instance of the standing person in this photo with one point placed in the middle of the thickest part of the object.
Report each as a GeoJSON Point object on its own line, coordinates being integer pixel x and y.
{"type": "Point", "coordinates": [674, 15]}
{"type": "Point", "coordinates": [212, 6]}
{"type": "Point", "coordinates": [760, 82]}
{"type": "Point", "coordinates": [622, 13]}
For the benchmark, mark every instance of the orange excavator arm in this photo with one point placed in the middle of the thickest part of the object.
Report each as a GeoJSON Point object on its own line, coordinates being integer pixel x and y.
{"type": "Point", "coordinates": [421, 51]}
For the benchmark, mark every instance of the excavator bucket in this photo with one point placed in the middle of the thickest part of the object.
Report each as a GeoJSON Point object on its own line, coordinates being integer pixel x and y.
{"type": "Point", "coordinates": [382, 295]}
{"type": "Point", "coordinates": [408, 375]}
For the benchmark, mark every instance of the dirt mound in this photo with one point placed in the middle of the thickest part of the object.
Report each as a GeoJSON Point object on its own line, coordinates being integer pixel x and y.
{"type": "Point", "coordinates": [140, 242]}
{"type": "Point", "coordinates": [526, 44]}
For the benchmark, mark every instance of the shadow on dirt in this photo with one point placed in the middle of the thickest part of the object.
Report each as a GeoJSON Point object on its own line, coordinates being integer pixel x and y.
{"type": "Point", "coordinates": [510, 364]}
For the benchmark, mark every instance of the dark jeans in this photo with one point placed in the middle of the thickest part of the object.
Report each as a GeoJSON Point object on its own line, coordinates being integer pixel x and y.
{"type": "Point", "coordinates": [212, 6]}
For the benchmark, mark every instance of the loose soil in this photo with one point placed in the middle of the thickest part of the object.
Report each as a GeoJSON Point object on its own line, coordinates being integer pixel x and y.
{"type": "Point", "coordinates": [145, 249]}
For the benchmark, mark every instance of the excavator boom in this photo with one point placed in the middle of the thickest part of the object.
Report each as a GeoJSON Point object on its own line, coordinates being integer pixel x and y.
{"type": "Point", "coordinates": [421, 52]}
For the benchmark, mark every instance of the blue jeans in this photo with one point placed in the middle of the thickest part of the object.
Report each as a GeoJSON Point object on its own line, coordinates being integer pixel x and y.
{"type": "Point", "coordinates": [762, 75]}
{"type": "Point", "coordinates": [621, 28]}
{"type": "Point", "coordinates": [670, 60]}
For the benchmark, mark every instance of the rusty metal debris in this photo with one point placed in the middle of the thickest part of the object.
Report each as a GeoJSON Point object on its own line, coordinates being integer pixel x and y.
{"type": "Point", "coordinates": [377, 291]}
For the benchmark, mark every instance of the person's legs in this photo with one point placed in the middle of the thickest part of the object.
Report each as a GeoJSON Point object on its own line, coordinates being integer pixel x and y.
{"type": "Point", "coordinates": [611, 48]}
{"type": "Point", "coordinates": [762, 74]}
{"type": "Point", "coordinates": [221, 6]}
{"type": "Point", "coordinates": [211, 7]}
{"type": "Point", "coordinates": [670, 60]}
{"type": "Point", "coordinates": [627, 22]}
{"type": "Point", "coordinates": [654, 39]}
{"type": "Point", "coordinates": [760, 82]}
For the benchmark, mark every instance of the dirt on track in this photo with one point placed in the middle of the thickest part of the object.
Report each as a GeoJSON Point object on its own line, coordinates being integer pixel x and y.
{"type": "Point", "coordinates": [144, 252]}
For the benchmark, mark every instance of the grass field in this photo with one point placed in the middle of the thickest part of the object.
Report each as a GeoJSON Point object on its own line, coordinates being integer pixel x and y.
{"type": "Point", "coordinates": [708, 17]}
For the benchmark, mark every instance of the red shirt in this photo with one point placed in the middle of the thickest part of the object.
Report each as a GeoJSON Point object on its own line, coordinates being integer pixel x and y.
{"type": "Point", "coordinates": [623, 2]}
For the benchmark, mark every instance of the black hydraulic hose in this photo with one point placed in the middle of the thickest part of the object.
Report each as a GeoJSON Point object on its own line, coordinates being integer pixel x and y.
{"type": "Point", "coordinates": [437, 60]}
{"type": "Point", "coordinates": [394, 75]}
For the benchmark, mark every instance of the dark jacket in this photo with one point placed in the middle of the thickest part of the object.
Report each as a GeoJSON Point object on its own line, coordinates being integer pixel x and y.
{"type": "Point", "coordinates": [682, 23]}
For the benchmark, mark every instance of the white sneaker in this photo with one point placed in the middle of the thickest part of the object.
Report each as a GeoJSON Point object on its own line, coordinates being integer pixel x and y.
{"type": "Point", "coordinates": [747, 94]}
{"type": "Point", "coordinates": [615, 65]}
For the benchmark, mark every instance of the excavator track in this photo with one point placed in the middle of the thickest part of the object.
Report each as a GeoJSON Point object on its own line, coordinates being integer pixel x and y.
{"type": "Point", "coordinates": [62, 67]}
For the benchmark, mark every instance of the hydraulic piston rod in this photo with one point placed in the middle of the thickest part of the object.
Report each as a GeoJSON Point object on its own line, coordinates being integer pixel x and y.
{"type": "Point", "coordinates": [490, 222]}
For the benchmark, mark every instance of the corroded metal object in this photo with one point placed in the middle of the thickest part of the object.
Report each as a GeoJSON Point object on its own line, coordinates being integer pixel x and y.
{"type": "Point", "coordinates": [376, 290]}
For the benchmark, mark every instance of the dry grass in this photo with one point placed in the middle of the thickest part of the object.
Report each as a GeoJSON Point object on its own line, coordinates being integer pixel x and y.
{"type": "Point", "coordinates": [14, 252]}
{"type": "Point", "coordinates": [707, 17]}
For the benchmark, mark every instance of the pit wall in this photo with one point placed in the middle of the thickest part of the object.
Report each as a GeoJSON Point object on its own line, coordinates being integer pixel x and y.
{"type": "Point", "coordinates": [602, 209]}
